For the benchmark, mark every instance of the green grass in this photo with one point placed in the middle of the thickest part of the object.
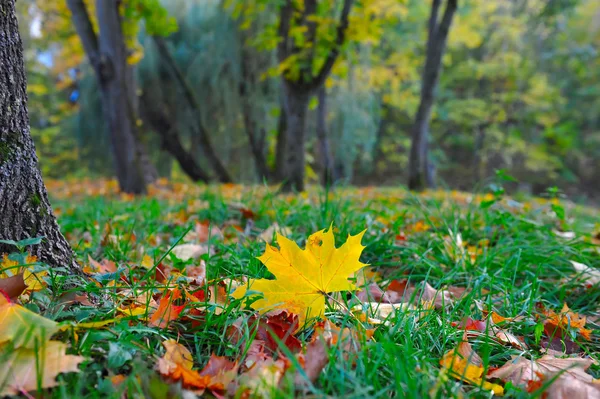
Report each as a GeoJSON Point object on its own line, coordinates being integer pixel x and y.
{"type": "Point", "coordinates": [524, 264]}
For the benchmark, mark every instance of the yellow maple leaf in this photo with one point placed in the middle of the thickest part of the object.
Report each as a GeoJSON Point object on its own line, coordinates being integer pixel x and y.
{"type": "Point", "coordinates": [305, 276]}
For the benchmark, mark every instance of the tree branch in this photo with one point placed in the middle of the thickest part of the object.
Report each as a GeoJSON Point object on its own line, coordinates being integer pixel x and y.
{"type": "Point", "coordinates": [444, 26]}
{"type": "Point", "coordinates": [85, 30]}
{"type": "Point", "coordinates": [283, 31]}
{"type": "Point", "coordinates": [310, 10]}
{"type": "Point", "coordinates": [335, 51]}
{"type": "Point", "coordinates": [433, 21]}
{"type": "Point", "coordinates": [194, 104]}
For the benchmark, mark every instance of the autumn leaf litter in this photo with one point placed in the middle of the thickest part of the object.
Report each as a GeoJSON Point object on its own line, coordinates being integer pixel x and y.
{"type": "Point", "coordinates": [236, 292]}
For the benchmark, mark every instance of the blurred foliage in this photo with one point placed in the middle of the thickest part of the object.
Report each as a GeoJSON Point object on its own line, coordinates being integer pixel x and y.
{"type": "Point", "coordinates": [519, 90]}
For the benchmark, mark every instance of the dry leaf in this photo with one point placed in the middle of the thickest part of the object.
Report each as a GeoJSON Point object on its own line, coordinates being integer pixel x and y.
{"type": "Point", "coordinates": [521, 370]}
{"type": "Point", "coordinates": [186, 252]}
{"type": "Point", "coordinates": [466, 365]}
{"type": "Point", "coordinates": [167, 311]}
{"type": "Point", "coordinates": [592, 276]}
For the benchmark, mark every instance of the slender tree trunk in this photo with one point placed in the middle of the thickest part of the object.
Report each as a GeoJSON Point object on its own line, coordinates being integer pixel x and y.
{"type": "Point", "coordinates": [170, 141]}
{"type": "Point", "coordinates": [420, 171]}
{"type": "Point", "coordinates": [296, 107]}
{"type": "Point", "coordinates": [25, 211]}
{"type": "Point", "coordinates": [108, 55]}
{"type": "Point", "coordinates": [280, 146]}
{"type": "Point", "coordinates": [477, 158]}
{"type": "Point", "coordinates": [194, 104]}
{"type": "Point", "coordinates": [326, 159]}
{"type": "Point", "coordinates": [256, 135]}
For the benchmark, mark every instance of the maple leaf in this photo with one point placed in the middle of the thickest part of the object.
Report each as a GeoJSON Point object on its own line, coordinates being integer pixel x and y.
{"type": "Point", "coordinates": [26, 369]}
{"type": "Point", "coordinates": [304, 277]}
{"type": "Point", "coordinates": [465, 364]}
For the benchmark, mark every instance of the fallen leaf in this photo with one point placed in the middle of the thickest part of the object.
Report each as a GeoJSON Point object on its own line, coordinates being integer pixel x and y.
{"type": "Point", "coordinates": [520, 370]}
{"type": "Point", "coordinates": [402, 291]}
{"type": "Point", "coordinates": [558, 324]}
{"type": "Point", "coordinates": [22, 327]}
{"type": "Point", "coordinates": [313, 361]}
{"type": "Point", "coordinates": [103, 267]}
{"type": "Point", "coordinates": [177, 364]}
{"type": "Point", "coordinates": [25, 369]}
{"type": "Point", "coordinates": [167, 311]}
{"type": "Point", "coordinates": [566, 387]}
{"type": "Point", "coordinates": [305, 277]}
{"type": "Point", "coordinates": [12, 286]}
{"type": "Point", "coordinates": [186, 252]}
{"type": "Point", "coordinates": [466, 365]}
{"type": "Point", "coordinates": [268, 234]}
{"type": "Point", "coordinates": [591, 276]}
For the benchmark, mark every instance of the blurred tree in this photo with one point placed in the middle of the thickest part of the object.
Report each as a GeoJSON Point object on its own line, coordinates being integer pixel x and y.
{"type": "Point", "coordinates": [107, 53]}
{"type": "Point", "coordinates": [25, 211]}
{"type": "Point", "coordinates": [420, 173]}
{"type": "Point", "coordinates": [301, 78]}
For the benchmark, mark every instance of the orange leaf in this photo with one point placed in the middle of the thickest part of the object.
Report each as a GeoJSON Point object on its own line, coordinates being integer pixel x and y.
{"type": "Point", "coordinates": [166, 310]}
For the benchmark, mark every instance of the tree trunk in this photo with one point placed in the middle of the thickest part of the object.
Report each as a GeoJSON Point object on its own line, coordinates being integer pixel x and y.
{"type": "Point", "coordinates": [25, 211]}
{"type": "Point", "coordinates": [194, 104]}
{"type": "Point", "coordinates": [256, 135]}
{"type": "Point", "coordinates": [170, 141]}
{"type": "Point", "coordinates": [108, 55]}
{"type": "Point", "coordinates": [296, 108]}
{"type": "Point", "coordinates": [420, 172]}
{"type": "Point", "coordinates": [297, 92]}
{"type": "Point", "coordinates": [326, 159]}
{"type": "Point", "coordinates": [280, 146]}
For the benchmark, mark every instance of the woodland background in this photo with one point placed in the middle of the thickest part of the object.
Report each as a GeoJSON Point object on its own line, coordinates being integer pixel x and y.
{"type": "Point", "coordinates": [519, 90]}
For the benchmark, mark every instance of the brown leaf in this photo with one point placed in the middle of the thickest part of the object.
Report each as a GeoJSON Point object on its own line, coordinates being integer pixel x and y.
{"type": "Point", "coordinates": [313, 362]}
{"type": "Point", "coordinates": [13, 286]}
{"type": "Point", "coordinates": [566, 387]}
{"type": "Point", "coordinates": [105, 266]}
{"type": "Point", "coordinates": [521, 370]}
{"type": "Point", "coordinates": [221, 371]}
{"type": "Point", "coordinates": [403, 291]}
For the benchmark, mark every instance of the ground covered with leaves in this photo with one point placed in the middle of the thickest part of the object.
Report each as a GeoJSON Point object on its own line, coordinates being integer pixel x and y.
{"type": "Point", "coordinates": [234, 291]}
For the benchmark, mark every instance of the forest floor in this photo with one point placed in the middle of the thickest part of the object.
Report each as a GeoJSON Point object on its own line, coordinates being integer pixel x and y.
{"type": "Point", "coordinates": [463, 295]}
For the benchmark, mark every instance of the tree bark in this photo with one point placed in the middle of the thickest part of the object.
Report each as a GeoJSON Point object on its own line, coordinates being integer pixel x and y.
{"type": "Point", "coordinates": [25, 211]}
{"type": "Point", "coordinates": [296, 109]}
{"type": "Point", "coordinates": [107, 54]}
{"type": "Point", "coordinates": [326, 159]}
{"type": "Point", "coordinates": [194, 104]}
{"type": "Point", "coordinates": [420, 170]}
{"type": "Point", "coordinates": [155, 117]}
